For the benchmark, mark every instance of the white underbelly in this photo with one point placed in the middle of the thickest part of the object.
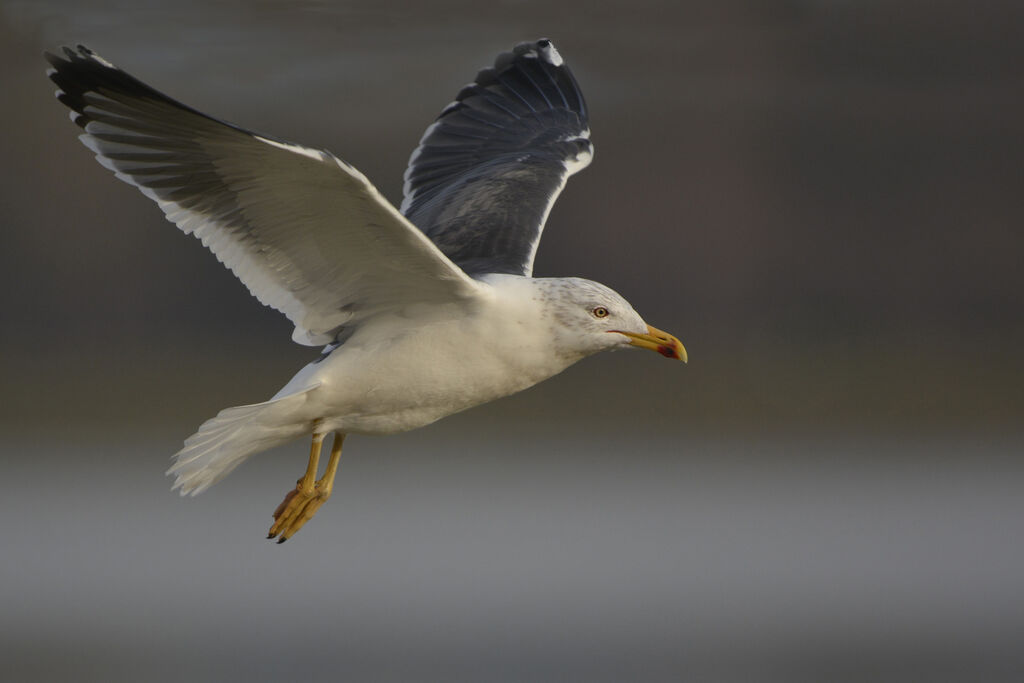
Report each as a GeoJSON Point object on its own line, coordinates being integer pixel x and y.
{"type": "Point", "coordinates": [421, 378]}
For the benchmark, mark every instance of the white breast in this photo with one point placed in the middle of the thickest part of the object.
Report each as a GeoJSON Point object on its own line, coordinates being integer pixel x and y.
{"type": "Point", "coordinates": [401, 372]}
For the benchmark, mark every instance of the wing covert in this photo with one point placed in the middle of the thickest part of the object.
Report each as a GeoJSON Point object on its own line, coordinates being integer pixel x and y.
{"type": "Point", "coordinates": [307, 233]}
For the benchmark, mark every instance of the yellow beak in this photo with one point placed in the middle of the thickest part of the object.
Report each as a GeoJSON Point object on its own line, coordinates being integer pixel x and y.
{"type": "Point", "coordinates": [656, 340]}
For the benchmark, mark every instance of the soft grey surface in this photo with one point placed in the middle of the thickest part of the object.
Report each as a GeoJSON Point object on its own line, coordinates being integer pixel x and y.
{"type": "Point", "coordinates": [533, 557]}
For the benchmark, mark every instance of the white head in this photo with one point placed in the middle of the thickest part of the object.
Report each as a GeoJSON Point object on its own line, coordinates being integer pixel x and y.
{"type": "Point", "coordinates": [588, 317]}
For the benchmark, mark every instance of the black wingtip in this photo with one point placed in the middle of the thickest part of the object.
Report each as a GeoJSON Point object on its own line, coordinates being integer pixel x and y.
{"type": "Point", "coordinates": [543, 68]}
{"type": "Point", "coordinates": [70, 54]}
{"type": "Point", "coordinates": [75, 72]}
{"type": "Point", "coordinates": [81, 70]}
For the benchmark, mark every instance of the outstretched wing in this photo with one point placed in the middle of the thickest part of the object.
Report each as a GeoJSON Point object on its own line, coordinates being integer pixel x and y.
{"type": "Point", "coordinates": [304, 231]}
{"type": "Point", "coordinates": [487, 172]}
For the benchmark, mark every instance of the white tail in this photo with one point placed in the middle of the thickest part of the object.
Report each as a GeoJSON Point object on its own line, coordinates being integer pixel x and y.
{"type": "Point", "coordinates": [224, 442]}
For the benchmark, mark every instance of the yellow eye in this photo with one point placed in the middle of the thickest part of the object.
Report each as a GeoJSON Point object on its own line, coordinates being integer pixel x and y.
{"type": "Point", "coordinates": [600, 312]}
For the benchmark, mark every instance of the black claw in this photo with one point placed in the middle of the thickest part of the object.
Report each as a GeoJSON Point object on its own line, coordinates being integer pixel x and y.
{"type": "Point", "coordinates": [281, 540]}
{"type": "Point", "coordinates": [270, 535]}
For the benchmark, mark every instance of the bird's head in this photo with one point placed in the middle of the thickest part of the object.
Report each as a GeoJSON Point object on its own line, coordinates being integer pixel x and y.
{"type": "Point", "coordinates": [592, 317]}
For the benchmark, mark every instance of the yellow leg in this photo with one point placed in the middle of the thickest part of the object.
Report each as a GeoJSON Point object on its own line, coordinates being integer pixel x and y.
{"type": "Point", "coordinates": [326, 483]}
{"type": "Point", "coordinates": [302, 502]}
{"type": "Point", "coordinates": [304, 489]}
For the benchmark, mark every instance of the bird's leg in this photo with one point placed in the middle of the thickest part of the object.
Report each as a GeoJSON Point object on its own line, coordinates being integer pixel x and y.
{"type": "Point", "coordinates": [301, 503]}
{"type": "Point", "coordinates": [322, 490]}
{"type": "Point", "coordinates": [298, 497]}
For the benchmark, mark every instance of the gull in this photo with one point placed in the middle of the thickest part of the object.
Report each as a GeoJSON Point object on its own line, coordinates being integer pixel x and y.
{"type": "Point", "coordinates": [423, 310]}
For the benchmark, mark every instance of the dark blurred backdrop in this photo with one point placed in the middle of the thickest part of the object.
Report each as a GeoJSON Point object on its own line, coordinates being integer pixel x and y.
{"type": "Point", "coordinates": [822, 199]}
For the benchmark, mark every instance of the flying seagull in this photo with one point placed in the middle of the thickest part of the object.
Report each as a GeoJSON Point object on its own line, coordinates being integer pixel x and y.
{"type": "Point", "coordinates": [423, 311]}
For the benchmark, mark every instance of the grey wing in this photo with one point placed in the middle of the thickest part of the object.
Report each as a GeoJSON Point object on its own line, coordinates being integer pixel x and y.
{"type": "Point", "coordinates": [487, 172]}
{"type": "Point", "coordinates": [304, 231]}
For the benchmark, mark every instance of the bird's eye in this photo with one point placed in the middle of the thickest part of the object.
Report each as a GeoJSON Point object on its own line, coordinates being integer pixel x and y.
{"type": "Point", "coordinates": [600, 312]}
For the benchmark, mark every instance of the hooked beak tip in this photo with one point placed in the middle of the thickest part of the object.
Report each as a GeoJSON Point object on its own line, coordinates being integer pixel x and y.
{"type": "Point", "coordinates": [660, 341]}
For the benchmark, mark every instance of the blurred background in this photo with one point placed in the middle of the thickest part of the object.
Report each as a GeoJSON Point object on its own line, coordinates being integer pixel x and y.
{"type": "Point", "coordinates": [823, 199]}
